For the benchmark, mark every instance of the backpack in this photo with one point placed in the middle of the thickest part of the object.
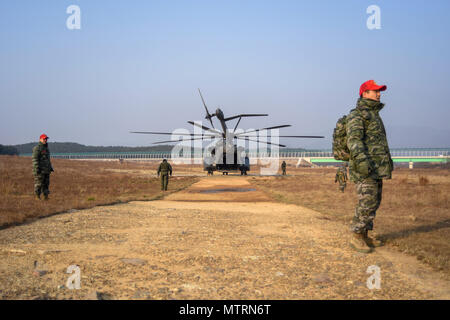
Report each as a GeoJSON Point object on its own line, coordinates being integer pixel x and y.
{"type": "Point", "coordinates": [340, 149]}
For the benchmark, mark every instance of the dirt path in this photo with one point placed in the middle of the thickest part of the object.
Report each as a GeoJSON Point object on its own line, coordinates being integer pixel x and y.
{"type": "Point", "coordinates": [219, 239]}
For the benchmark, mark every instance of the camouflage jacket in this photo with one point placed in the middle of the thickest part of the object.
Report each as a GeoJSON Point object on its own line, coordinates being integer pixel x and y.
{"type": "Point", "coordinates": [165, 168]}
{"type": "Point", "coordinates": [41, 159]}
{"type": "Point", "coordinates": [283, 165]}
{"type": "Point", "coordinates": [341, 175]}
{"type": "Point", "coordinates": [367, 142]}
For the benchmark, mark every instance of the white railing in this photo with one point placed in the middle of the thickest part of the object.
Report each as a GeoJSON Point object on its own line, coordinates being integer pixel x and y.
{"type": "Point", "coordinates": [398, 153]}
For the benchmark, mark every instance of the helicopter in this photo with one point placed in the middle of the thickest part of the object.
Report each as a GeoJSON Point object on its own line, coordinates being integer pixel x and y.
{"type": "Point", "coordinates": [224, 155]}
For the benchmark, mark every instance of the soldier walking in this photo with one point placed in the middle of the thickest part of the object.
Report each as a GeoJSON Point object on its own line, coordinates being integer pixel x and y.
{"type": "Point", "coordinates": [370, 162]}
{"type": "Point", "coordinates": [341, 176]}
{"type": "Point", "coordinates": [164, 169]}
{"type": "Point", "coordinates": [42, 167]}
{"type": "Point", "coordinates": [283, 168]}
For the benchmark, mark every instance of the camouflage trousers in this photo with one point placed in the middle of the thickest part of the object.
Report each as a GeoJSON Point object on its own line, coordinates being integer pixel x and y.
{"type": "Point", "coordinates": [41, 184]}
{"type": "Point", "coordinates": [369, 198]}
{"type": "Point", "coordinates": [283, 172]}
{"type": "Point", "coordinates": [342, 185]}
{"type": "Point", "coordinates": [164, 181]}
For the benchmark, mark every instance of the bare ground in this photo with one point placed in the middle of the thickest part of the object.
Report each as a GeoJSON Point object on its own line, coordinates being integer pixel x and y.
{"type": "Point", "coordinates": [414, 216]}
{"type": "Point", "coordinates": [232, 243]}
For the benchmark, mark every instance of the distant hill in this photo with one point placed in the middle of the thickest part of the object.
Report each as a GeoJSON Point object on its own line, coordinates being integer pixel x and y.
{"type": "Point", "coordinates": [9, 150]}
{"type": "Point", "coordinates": [71, 147]}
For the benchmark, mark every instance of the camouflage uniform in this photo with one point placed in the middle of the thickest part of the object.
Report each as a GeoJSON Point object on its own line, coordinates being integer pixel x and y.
{"type": "Point", "coordinates": [164, 169]}
{"type": "Point", "coordinates": [283, 168]}
{"type": "Point", "coordinates": [370, 160]}
{"type": "Point", "coordinates": [341, 176]}
{"type": "Point", "coordinates": [42, 167]}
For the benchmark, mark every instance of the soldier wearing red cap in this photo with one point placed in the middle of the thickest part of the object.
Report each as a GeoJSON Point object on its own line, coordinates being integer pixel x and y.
{"type": "Point", "coordinates": [370, 162]}
{"type": "Point", "coordinates": [42, 167]}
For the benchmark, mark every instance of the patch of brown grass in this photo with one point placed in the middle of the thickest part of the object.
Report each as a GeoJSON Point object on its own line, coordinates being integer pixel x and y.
{"type": "Point", "coordinates": [414, 215]}
{"type": "Point", "coordinates": [423, 181]}
{"type": "Point", "coordinates": [77, 185]}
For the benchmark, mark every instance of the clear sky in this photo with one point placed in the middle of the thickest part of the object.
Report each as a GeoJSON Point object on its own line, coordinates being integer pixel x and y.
{"type": "Point", "coordinates": [136, 66]}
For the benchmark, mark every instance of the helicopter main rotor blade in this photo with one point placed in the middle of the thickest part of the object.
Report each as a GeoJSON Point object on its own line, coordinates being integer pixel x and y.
{"type": "Point", "coordinates": [237, 123]}
{"type": "Point", "coordinates": [259, 141]}
{"type": "Point", "coordinates": [215, 131]}
{"type": "Point", "coordinates": [181, 140]}
{"type": "Point", "coordinates": [208, 115]}
{"type": "Point", "coordinates": [275, 127]}
{"type": "Point", "coordinates": [246, 115]}
{"type": "Point", "coordinates": [170, 133]}
{"type": "Point", "coordinates": [299, 136]}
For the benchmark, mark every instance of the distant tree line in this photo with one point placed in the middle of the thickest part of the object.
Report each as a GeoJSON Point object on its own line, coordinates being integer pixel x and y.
{"type": "Point", "coordinates": [71, 147]}
{"type": "Point", "coordinates": [9, 150]}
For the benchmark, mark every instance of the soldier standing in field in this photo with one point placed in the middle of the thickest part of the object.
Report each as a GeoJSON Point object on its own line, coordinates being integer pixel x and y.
{"type": "Point", "coordinates": [164, 169]}
{"type": "Point", "coordinates": [283, 168]}
{"type": "Point", "coordinates": [42, 167]}
{"type": "Point", "coordinates": [370, 162]}
{"type": "Point", "coordinates": [341, 176]}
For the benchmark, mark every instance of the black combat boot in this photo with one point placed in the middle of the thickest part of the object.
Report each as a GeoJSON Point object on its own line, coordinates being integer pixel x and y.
{"type": "Point", "coordinates": [37, 196]}
{"type": "Point", "coordinates": [46, 197]}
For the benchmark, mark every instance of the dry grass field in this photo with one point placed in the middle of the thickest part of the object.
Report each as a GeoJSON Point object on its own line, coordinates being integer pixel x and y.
{"type": "Point", "coordinates": [414, 215]}
{"type": "Point", "coordinates": [76, 185]}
